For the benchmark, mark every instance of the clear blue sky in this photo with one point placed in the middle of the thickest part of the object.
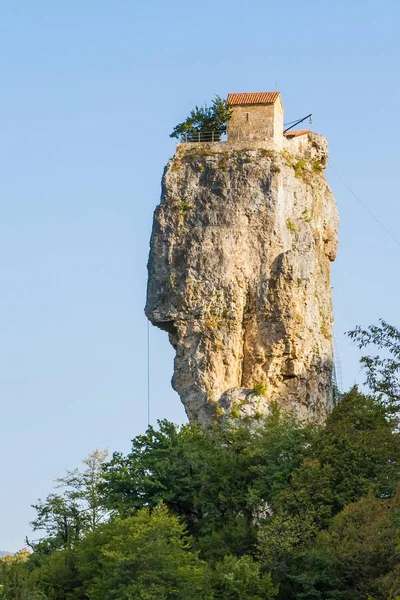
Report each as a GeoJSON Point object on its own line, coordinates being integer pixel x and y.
{"type": "Point", "coordinates": [90, 91]}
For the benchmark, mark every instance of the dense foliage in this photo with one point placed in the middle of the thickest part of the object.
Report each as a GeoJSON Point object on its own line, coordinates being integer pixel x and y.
{"type": "Point", "coordinates": [285, 510]}
{"type": "Point", "coordinates": [205, 123]}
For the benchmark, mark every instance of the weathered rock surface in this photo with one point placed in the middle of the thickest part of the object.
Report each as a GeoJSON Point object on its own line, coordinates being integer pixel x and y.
{"type": "Point", "coordinates": [239, 276]}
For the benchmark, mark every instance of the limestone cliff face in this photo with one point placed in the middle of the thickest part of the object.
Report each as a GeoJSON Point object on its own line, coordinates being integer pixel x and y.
{"type": "Point", "coordinates": [239, 276]}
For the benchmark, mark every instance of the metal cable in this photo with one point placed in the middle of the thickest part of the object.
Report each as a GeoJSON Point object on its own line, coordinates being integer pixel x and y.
{"type": "Point", "coordinates": [148, 373]}
{"type": "Point", "coordinates": [365, 207]}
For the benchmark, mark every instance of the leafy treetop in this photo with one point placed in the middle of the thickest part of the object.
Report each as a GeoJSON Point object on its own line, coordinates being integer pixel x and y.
{"type": "Point", "coordinates": [383, 369]}
{"type": "Point", "coordinates": [205, 119]}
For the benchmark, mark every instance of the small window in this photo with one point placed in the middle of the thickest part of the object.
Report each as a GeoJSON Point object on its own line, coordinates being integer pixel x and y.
{"type": "Point", "coordinates": [247, 116]}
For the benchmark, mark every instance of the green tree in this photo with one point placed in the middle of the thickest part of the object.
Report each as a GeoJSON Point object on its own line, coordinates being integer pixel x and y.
{"type": "Point", "coordinates": [219, 481]}
{"type": "Point", "coordinates": [382, 369]}
{"type": "Point", "coordinates": [357, 451]}
{"type": "Point", "coordinates": [241, 579]}
{"type": "Point", "coordinates": [203, 121]}
{"type": "Point", "coordinates": [280, 537]}
{"type": "Point", "coordinates": [143, 557]}
{"type": "Point", "coordinates": [356, 557]}
{"type": "Point", "coordinates": [62, 521]}
{"type": "Point", "coordinates": [276, 449]}
{"type": "Point", "coordinates": [84, 486]}
{"type": "Point", "coordinates": [65, 517]}
{"type": "Point", "coordinates": [55, 576]}
{"type": "Point", "coordinates": [14, 576]}
{"type": "Point", "coordinates": [164, 465]}
{"type": "Point", "coordinates": [199, 475]}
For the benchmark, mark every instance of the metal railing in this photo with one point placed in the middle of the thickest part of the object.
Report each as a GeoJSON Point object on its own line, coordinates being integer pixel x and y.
{"type": "Point", "coordinates": [203, 136]}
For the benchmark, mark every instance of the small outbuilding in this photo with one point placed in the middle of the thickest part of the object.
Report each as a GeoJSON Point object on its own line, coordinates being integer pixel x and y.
{"type": "Point", "coordinates": [256, 116]}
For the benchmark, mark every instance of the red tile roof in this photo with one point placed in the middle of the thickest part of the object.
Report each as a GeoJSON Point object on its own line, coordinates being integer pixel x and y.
{"type": "Point", "coordinates": [296, 133]}
{"type": "Point", "coordinates": [252, 98]}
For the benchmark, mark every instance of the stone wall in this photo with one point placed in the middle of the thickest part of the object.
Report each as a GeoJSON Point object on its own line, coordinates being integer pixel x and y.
{"type": "Point", "coordinates": [294, 145]}
{"type": "Point", "coordinates": [256, 122]}
{"type": "Point", "coordinates": [278, 123]}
